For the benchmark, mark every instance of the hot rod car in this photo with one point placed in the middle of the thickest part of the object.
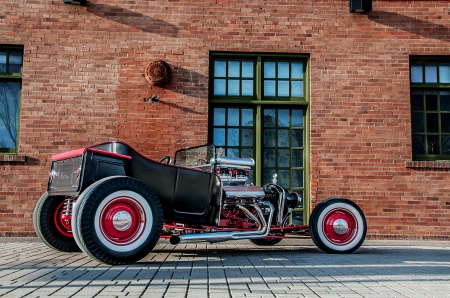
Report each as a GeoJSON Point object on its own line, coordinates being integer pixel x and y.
{"type": "Point", "coordinates": [114, 204]}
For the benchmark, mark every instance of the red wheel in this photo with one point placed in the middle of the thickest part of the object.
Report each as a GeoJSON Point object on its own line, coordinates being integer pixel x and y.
{"type": "Point", "coordinates": [338, 225]}
{"type": "Point", "coordinates": [62, 221]}
{"type": "Point", "coordinates": [52, 225]}
{"type": "Point", "coordinates": [117, 220]}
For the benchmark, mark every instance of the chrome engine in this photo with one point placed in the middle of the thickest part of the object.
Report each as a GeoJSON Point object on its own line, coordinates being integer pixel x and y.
{"type": "Point", "coordinates": [247, 209]}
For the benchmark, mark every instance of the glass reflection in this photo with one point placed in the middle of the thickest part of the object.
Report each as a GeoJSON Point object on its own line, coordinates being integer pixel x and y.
{"type": "Point", "coordinates": [444, 73]}
{"type": "Point", "coordinates": [416, 73]}
{"type": "Point", "coordinates": [219, 117]}
{"type": "Point", "coordinates": [269, 69]}
{"type": "Point", "coordinates": [284, 158]}
{"type": "Point", "coordinates": [233, 117]}
{"type": "Point", "coordinates": [430, 73]}
{"type": "Point", "coordinates": [219, 136]}
{"type": "Point", "coordinates": [247, 88]}
{"type": "Point", "coordinates": [219, 87]}
{"type": "Point", "coordinates": [232, 137]}
{"type": "Point", "coordinates": [297, 70]}
{"type": "Point", "coordinates": [269, 88]}
{"type": "Point", "coordinates": [234, 69]}
{"type": "Point", "coordinates": [283, 138]}
{"type": "Point", "coordinates": [220, 68]}
{"type": "Point", "coordinates": [233, 88]}
{"type": "Point", "coordinates": [283, 88]}
{"type": "Point", "coordinates": [283, 70]}
{"type": "Point", "coordinates": [247, 69]}
{"type": "Point", "coordinates": [297, 89]}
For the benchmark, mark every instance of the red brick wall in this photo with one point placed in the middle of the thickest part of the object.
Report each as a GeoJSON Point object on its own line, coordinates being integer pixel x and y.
{"type": "Point", "coordinates": [83, 84]}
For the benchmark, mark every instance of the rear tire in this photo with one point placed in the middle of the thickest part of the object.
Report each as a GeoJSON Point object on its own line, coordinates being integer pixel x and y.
{"type": "Point", "coordinates": [337, 226]}
{"type": "Point", "coordinates": [51, 226]}
{"type": "Point", "coordinates": [266, 241]}
{"type": "Point", "coordinates": [117, 220]}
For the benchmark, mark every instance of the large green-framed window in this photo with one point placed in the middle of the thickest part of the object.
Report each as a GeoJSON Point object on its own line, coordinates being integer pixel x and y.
{"type": "Point", "coordinates": [258, 109]}
{"type": "Point", "coordinates": [430, 108]}
{"type": "Point", "coordinates": [11, 61]}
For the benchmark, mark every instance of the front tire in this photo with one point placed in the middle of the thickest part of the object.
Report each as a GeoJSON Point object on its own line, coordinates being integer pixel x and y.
{"type": "Point", "coordinates": [51, 224]}
{"type": "Point", "coordinates": [117, 220]}
{"type": "Point", "coordinates": [337, 226]}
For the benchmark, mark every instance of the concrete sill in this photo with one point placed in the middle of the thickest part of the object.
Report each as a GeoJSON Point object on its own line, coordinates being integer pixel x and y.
{"type": "Point", "coordinates": [444, 164]}
{"type": "Point", "coordinates": [13, 158]}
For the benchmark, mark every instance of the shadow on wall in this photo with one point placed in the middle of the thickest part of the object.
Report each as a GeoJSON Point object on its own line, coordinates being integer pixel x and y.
{"type": "Point", "coordinates": [412, 25]}
{"type": "Point", "coordinates": [133, 19]}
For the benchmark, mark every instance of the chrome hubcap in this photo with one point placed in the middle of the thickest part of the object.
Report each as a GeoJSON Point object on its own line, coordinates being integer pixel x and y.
{"type": "Point", "coordinates": [122, 220]}
{"type": "Point", "coordinates": [340, 226]}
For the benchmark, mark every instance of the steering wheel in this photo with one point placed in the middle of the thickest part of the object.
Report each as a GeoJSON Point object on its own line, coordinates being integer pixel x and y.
{"type": "Point", "coordinates": [167, 158]}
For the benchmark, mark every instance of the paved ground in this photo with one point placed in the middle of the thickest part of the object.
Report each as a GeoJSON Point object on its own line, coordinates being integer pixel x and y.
{"type": "Point", "coordinates": [231, 269]}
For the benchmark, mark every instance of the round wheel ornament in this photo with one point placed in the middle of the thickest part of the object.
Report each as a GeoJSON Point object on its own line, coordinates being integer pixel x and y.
{"type": "Point", "coordinates": [158, 73]}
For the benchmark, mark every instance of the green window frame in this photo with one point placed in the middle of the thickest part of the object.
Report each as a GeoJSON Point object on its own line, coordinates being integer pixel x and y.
{"type": "Point", "coordinates": [246, 85]}
{"type": "Point", "coordinates": [430, 108]}
{"type": "Point", "coordinates": [11, 65]}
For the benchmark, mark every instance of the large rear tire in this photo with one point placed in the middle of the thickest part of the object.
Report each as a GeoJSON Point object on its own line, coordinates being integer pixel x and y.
{"type": "Point", "coordinates": [337, 225]}
{"type": "Point", "coordinates": [51, 224]}
{"type": "Point", "coordinates": [117, 220]}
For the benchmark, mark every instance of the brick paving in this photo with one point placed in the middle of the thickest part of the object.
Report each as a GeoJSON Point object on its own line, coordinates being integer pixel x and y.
{"type": "Point", "coordinates": [293, 268]}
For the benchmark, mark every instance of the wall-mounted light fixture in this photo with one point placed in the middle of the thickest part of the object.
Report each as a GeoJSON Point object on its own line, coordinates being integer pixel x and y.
{"type": "Point", "coordinates": [361, 6]}
{"type": "Point", "coordinates": [75, 2]}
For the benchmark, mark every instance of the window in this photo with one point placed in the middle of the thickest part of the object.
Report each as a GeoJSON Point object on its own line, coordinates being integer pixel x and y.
{"type": "Point", "coordinates": [11, 61]}
{"type": "Point", "coordinates": [430, 108]}
{"type": "Point", "coordinates": [258, 107]}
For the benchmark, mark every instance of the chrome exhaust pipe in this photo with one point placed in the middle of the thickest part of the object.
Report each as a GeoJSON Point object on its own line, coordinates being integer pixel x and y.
{"type": "Point", "coordinates": [225, 236]}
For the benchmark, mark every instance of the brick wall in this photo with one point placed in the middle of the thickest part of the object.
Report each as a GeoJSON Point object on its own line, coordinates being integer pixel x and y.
{"type": "Point", "coordinates": [83, 83]}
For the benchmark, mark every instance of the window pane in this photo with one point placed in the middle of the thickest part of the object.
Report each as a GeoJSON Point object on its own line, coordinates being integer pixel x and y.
{"type": "Point", "coordinates": [297, 138]}
{"type": "Point", "coordinates": [297, 118]}
{"type": "Point", "coordinates": [284, 178]}
{"type": "Point", "coordinates": [297, 158]}
{"type": "Point", "coordinates": [283, 158]}
{"type": "Point", "coordinates": [297, 178]}
{"type": "Point", "coordinates": [297, 89]}
{"type": "Point", "coordinates": [15, 63]}
{"type": "Point", "coordinates": [269, 70]}
{"type": "Point", "coordinates": [219, 117]}
{"type": "Point", "coordinates": [433, 145]}
{"type": "Point", "coordinates": [283, 118]}
{"type": "Point", "coordinates": [431, 100]}
{"type": "Point", "coordinates": [283, 138]}
{"type": "Point", "coordinates": [446, 145]}
{"type": "Point", "coordinates": [247, 153]}
{"type": "Point", "coordinates": [247, 69]}
{"type": "Point", "coordinates": [232, 152]}
{"type": "Point", "coordinates": [269, 157]}
{"type": "Point", "coordinates": [2, 62]}
{"type": "Point", "coordinates": [418, 143]}
{"type": "Point", "coordinates": [445, 100]}
{"type": "Point", "coordinates": [247, 117]}
{"type": "Point", "coordinates": [247, 137]}
{"type": "Point", "coordinates": [416, 74]}
{"type": "Point", "coordinates": [269, 138]}
{"type": "Point", "coordinates": [432, 122]}
{"type": "Point", "coordinates": [9, 113]}
{"type": "Point", "coordinates": [269, 118]}
{"type": "Point", "coordinates": [219, 137]}
{"type": "Point", "coordinates": [247, 88]}
{"type": "Point", "coordinates": [430, 73]}
{"type": "Point", "coordinates": [269, 88]}
{"type": "Point", "coordinates": [417, 101]}
{"type": "Point", "coordinates": [232, 137]}
{"type": "Point", "coordinates": [234, 69]}
{"type": "Point", "coordinates": [283, 88]}
{"type": "Point", "coordinates": [297, 70]}
{"type": "Point", "coordinates": [220, 69]}
{"type": "Point", "coordinates": [233, 88]}
{"type": "Point", "coordinates": [283, 70]}
{"type": "Point", "coordinates": [268, 176]}
{"type": "Point", "coordinates": [445, 122]}
{"type": "Point", "coordinates": [233, 117]}
{"type": "Point", "coordinates": [444, 73]}
{"type": "Point", "coordinates": [219, 87]}
{"type": "Point", "coordinates": [417, 122]}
